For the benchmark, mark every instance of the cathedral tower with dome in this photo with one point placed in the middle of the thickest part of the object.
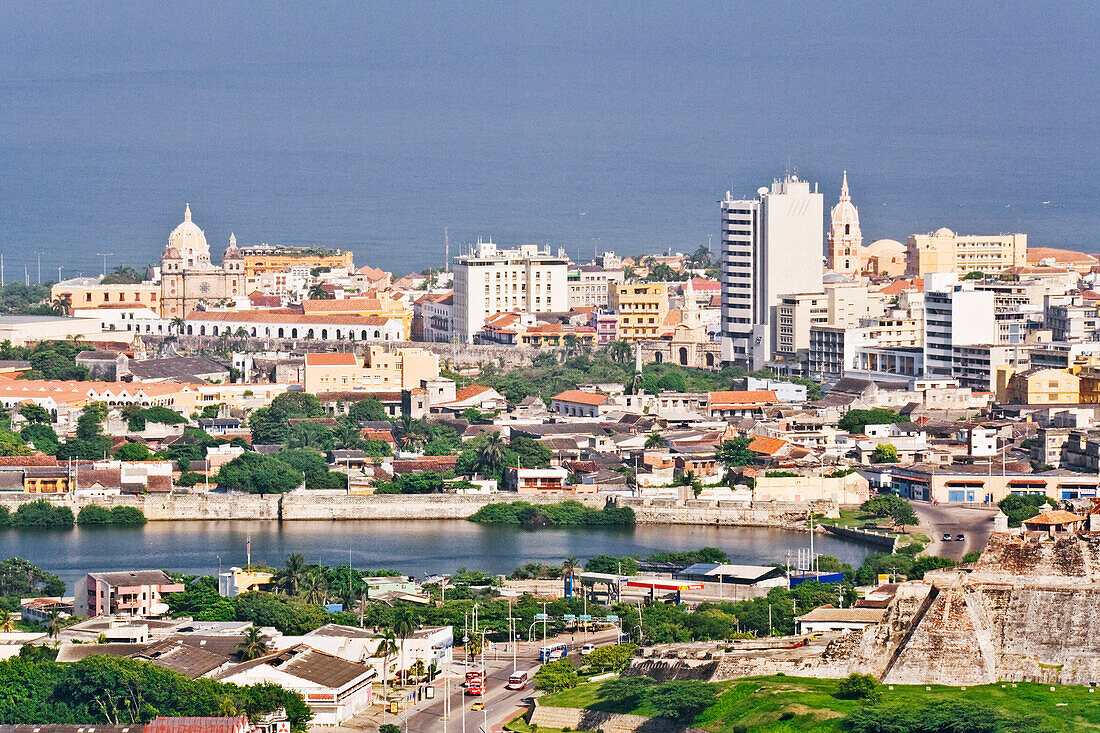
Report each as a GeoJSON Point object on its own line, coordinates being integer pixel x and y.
{"type": "Point", "coordinates": [187, 274]}
{"type": "Point", "coordinates": [845, 238]}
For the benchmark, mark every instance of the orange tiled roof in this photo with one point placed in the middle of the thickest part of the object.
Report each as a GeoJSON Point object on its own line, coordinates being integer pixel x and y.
{"type": "Point", "coordinates": [767, 446]}
{"type": "Point", "coordinates": [742, 397]}
{"type": "Point", "coordinates": [346, 305]}
{"type": "Point", "coordinates": [286, 315]}
{"type": "Point", "coordinates": [1055, 517]}
{"type": "Point", "coordinates": [332, 360]}
{"type": "Point", "coordinates": [581, 398]}
{"type": "Point", "coordinates": [470, 391]}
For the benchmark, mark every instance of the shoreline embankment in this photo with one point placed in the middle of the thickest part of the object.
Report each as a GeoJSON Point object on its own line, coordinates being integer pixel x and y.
{"type": "Point", "coordinates": [314, 505]}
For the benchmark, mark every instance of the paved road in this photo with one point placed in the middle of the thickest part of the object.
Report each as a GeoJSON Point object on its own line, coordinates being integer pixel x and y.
{"type": "Point", "coordinates": [940, 519]}
{"type": "Point", "coordinates": [501, 704]}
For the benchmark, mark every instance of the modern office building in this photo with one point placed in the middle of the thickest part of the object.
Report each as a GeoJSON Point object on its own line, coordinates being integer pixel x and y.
{"type": "Point", "coordinates": [489, 280]}
{"type": "Point", "coordinates": [958, 315]}
{"type": "Point", "coordinates": [771, 245]}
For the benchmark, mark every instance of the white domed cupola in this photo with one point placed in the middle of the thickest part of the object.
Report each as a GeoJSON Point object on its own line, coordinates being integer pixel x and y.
{"type": "Point", "coordinates": [190, 242]}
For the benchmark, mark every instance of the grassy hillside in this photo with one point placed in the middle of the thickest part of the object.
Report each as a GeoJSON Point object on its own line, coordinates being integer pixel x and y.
{"type": "Point", "coordinates": [759, 703]}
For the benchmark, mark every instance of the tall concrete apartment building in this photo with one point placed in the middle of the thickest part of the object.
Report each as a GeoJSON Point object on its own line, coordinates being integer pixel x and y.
{"type": "Point", "coordinates": [957, 315]}
{"type": "Point", "coordinates": [488, 280]}
{"type": "Point", "coordinates": [771, 245]}
{"type": "Point", "coordinates": [944, 251]}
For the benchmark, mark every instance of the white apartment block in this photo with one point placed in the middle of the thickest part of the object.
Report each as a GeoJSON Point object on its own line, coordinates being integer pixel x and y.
{"type": "Point", "coordinates": [956, 316]}
{"type": "Point", "coordinates": [489, 280]}
{"type": "Point", "coordinates": [588, 285]}
{"type": "Point", "coordinates": [975, 365]}
{"type": "Point", "coordinates": [834, 350]}
{"type": "Point", "coordinates": [771, 245]}
{"type": "Point", "coordinates": [796, 314]}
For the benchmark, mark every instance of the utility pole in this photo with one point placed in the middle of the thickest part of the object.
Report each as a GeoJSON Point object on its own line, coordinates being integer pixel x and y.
{"type": "Point", "coordinates": [39, 267]}
{"type": "Point", "coordinates": [544, 623]}
{"type": "Point", "coordinates": [105, 255]}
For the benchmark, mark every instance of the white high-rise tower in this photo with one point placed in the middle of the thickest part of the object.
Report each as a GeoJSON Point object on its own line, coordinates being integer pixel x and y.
{"type": "Point", "coordinates": [771, 245]}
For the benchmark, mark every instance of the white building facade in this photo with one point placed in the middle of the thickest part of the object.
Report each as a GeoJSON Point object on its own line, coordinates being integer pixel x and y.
{"type": "Point", "coordinates": [771, 245]}
{"type": "Point", "coordinates": [491, 280]}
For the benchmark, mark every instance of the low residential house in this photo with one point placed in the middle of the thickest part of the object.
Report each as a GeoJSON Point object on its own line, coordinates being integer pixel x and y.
{"type": "Point", "coordinates": [541, 481]}
{"type": "Point", "coordinates": [237, 581]}
{"type": "Point", "coordinates": [477, 396]}
{"type": "Point", "coordinates": [335, 689]}
{"type": "Point", "coordinates": [827, 618]}
{"type": "Point", "coordinates": [347, 459]}
{"type": "Point", "coordinates": [46, 479]}
{"type": "Point", "coordinates": [224, 427]}
{"type": "Point", "coordinates": [740, 403]}
{"type": "Point", "coordinates": [125, 593]}
{"type": "Point", "coordinates": [575, 403]}
{"type": "Point", "coordinates": [39, 610]}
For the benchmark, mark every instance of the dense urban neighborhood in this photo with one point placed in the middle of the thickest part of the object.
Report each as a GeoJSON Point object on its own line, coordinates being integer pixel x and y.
{"type": "Point", "coordinates": [929, 404]}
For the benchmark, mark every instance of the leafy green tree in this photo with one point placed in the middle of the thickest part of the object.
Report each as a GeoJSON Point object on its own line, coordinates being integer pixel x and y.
{"type": "Point", "coordinates": [19, 578]}
{"type": "Point", "coordinates": [610, 564]}
{"type": "Point", "coordinates": [681, 700]}
{"type": "Point", "coordinates": [42, 514]}
{"type": "Point", "coordinates": [42, 437]}
{"type": "Point", "coordinates": [736, 452]}
{"type": "Point", "coordinates": [127, 515]}
{"type": "Point", "coordinates": [368, 410]}
{"type": "Point", "coordinates": [307, 434]}
{"type": "Point", "coordinates": [626, 692]}
{"type": "Point", "coordinates": [887, 505]}
{"type": "Point", "coordinates": [90, 442]}
{"type": "Point", "coordinates": [11, 444]}
{"type": "Point", "coordinates": [292, 405]}
{"type": "Point", "coordinates": [672, 382]}
{"type": "Point", "coordinates": [858, 687]}
{"type": "Point", "coordinates": [93, 514]}
{"type": "Point", "coordinates": [1018, 508]}
{"type": "Point", "coordinates": [855, 421]}
{"type": "Point", "coordinates": [884, 453]}
{"type": "Point", "coordinates": [33, 413]}
{"type": "Point", "coordinates": [612, 657]}
{"type": "Point", "coordinates": [256, 473]}
{"type": "Point", "coordinates": [268, 427]}
{"type": "Point", "coordinates": [556, 676]}
{"type": "Point", "coordinates": [314, 468]}
{"type": "Point", "coordinates": [531, 453]}
{"type": "Point", "coordinates": [133, 452]}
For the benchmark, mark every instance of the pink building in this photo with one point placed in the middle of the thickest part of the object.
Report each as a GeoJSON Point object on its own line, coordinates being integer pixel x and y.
{"type": "Point", "coordinates": [127, 593]}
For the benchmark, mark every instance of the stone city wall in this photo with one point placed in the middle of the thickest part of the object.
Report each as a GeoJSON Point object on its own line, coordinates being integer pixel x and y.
{"type": "Point", "coordinates": [321, 506]}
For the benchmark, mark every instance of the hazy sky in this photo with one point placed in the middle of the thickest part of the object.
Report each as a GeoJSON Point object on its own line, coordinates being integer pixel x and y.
{"type": "Point", "coordinates": [374, 125]}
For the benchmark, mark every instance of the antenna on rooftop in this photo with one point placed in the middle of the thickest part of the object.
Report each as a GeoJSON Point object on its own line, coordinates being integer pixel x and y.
{"type": "Point", "coordinates": [447, 251]}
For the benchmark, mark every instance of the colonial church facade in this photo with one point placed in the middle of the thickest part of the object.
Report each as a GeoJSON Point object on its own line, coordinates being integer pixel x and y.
{"type": "Point", "coordinates": [188, 276]}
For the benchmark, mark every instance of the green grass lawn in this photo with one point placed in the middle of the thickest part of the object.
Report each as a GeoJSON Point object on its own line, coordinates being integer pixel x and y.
{"type": "Point", "coordinates": [757, 703]}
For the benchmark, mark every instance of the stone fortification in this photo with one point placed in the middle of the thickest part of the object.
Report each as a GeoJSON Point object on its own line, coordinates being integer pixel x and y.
{"type": "Point", "coordinates": [581, 719]}
{"type": "Point", "coordinates": [317, 505]}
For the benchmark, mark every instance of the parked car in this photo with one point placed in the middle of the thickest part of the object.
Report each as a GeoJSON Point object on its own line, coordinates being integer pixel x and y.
{"type": "Point", "coordinates": [960, 537]}
{"type": "Point", "coordinates": [946, 536]}
{"type": "Point", "coordinates": [587, 649]}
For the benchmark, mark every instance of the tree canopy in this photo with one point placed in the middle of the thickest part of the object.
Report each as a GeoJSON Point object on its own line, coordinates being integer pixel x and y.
{"type": "Point", "coordinates": [256, 473]}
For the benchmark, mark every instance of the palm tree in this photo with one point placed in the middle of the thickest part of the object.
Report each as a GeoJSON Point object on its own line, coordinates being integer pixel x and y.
{"type": "Point", "coordinates": [404, 624]}
{"type": "Point", "coordinates": [293, 570]}
{"type": "Point", "coordinates": [387, 647]}
{"type": "Point", "coordinates": [7, 622]}
{"type": "Point", "coordinates": [570, 344]}
{"type": "Point", "coordinates": [491, 455]}
{"type": "Point", "coordinates": [62, 305]}
{"type": "Point", "coordinates": [654, 440]}
{"type": "Point", "coordinates": [253, 644]}
{"type": "Point", "coordinates": [314, 586]}
{"type": "Point", "coordinates": [307, 435]}
{"type": "Point", "coordinates": [317, 292]}
{"type": "Point", "coordinates": [177, 325]}
{"type": "Point", "coordinates": [241, 332]}
{"type": "Point", "coordinates": [347, 436]}
{"type": "Point", "coordinates": [54, 626]}
{"type": "Point", "coordinates": [619, 351]}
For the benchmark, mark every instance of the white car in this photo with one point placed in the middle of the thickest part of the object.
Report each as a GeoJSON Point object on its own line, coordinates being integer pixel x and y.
{"type": "Point", "coordinates": [587, 649]}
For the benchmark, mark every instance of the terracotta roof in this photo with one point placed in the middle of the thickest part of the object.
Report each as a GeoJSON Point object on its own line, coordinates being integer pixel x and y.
{"type": "Point", "coordinates": [844, 615]}
{"type": "Point", "coordinates": [767, 446]}
{"type": "Point", "coordinates": [702, 284]}
{"type": "Point", "coordinates": [1054, 518]}
{"type": "Point", "coordinates": [1035, 255]}
{"type": "Point", "coordinates": [742, 397]}
{"type": "Point", "coordinates": [345, 305]}
{"type": "Point", "coordinates": [197, 725]}
{"type": "Point", "coordinates": [372, 434]}
{"type": "Point", "coordinates": [470, 391]}
{"type": "Point", "coordinates": [338, 359]}
{"type": "Point", "coordinates": [40, 459]}
{"type": "Point", "coordinates": [576, 396]}
{"type": "Point", "coordinates": [373, 273]}
{"type": "Point", "coordinates": [427, 463]}
{"type": "Point", "coordinates": [901, 285]}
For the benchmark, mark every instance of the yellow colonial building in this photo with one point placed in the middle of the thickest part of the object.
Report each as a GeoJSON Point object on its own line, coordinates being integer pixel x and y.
{"type": "Point", "coordinates": [946, 251]}
{"type": "Point", "coordinates": [1037, 387]}
{"type": "Point", "coordinates": [642, 308]}
{"type": "Point", "coordinates": [82, 293]}
{"type": "Point", "coordinates": [379, 371]}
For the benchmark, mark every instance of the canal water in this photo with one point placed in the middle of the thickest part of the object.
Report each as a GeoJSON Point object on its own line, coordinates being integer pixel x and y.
{"type": "Point", "coordinates": [411, 547]}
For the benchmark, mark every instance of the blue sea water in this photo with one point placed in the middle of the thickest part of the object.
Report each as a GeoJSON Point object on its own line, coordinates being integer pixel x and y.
{"type": "Point", "coordinates": [373, 126]}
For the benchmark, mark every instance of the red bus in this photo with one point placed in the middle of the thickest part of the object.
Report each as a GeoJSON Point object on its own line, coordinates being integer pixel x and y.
{"type": "Point", "coordinates": [473, 687]}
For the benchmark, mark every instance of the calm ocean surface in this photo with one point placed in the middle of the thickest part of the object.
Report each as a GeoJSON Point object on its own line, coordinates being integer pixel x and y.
{"type": "Point", "coordinates": [372, 126]}
{"type": "Point", "coordinates": [413, 547]}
